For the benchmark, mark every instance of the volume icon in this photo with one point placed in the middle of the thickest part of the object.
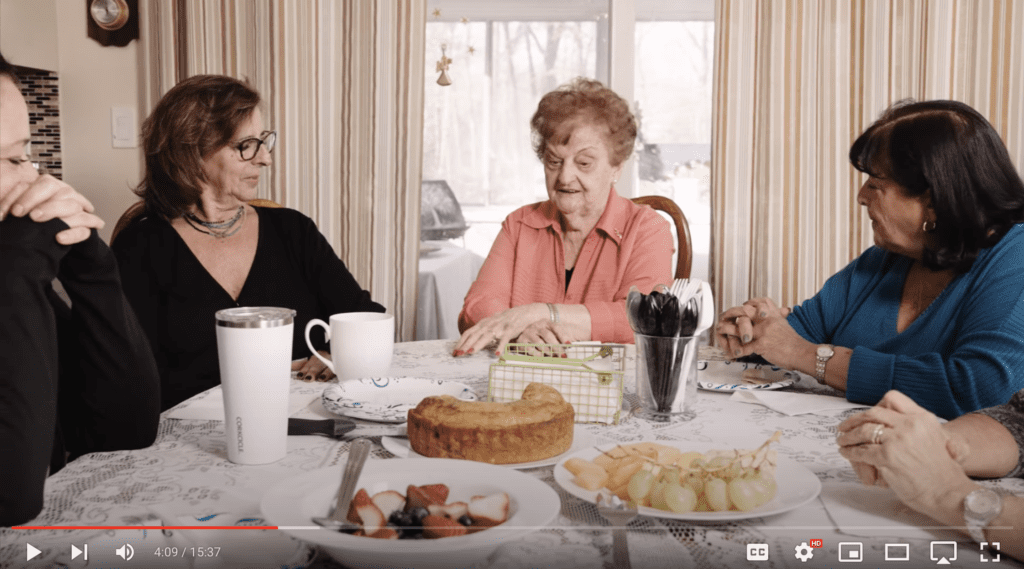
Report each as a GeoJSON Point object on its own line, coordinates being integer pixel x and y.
{"type": "Point", "coordinates": [125, 552]}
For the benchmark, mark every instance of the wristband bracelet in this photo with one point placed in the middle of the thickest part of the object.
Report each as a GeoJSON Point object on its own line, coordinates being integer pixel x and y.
{"type": "Point", "coordinates": [553, 312]}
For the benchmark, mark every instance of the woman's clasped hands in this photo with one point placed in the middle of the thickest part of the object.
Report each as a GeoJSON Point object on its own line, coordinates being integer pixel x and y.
{"type": "Point", "coordinates": [45, 198]}
{"type": "Point", "coordinates": [902, 446]}
{"type": "Point", "coordinates": [758, 326]}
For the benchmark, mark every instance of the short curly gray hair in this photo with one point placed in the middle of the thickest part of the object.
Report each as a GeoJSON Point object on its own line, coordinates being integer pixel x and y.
{"type": "Point", "coordinates": [589, 99]}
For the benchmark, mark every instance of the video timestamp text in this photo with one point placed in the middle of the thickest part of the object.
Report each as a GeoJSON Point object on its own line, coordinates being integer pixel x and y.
{"type": "Point", "coordinates": [187, 551]}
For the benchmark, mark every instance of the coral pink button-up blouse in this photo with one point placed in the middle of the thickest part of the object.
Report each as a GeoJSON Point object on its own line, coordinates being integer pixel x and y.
{"type": "Point", "coordinates": [631, 245]}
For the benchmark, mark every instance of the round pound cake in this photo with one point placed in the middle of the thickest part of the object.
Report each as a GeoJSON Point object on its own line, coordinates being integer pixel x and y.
{"type": "Point", "coordinates": [536, 427]}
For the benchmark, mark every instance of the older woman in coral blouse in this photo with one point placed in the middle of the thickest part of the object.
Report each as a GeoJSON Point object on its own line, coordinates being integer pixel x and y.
{"type": "Point", "coordinates": [560, 269]}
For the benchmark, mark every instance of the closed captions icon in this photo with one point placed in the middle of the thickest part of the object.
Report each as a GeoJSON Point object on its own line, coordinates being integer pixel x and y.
{"type": "Point", "coordinates": [757, 552]}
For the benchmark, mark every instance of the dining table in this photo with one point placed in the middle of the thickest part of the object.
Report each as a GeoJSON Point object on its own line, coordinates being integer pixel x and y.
{"type": "Point", "coordinates": [105, 501]}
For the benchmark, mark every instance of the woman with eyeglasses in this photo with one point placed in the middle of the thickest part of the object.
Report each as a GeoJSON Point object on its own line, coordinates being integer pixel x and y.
{"type": "Point", "coordinates": [200, 246]}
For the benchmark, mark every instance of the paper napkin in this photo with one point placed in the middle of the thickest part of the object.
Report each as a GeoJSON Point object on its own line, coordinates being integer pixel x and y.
{"type": "Point", "coordinates": [796, 403]}
{"type": "Point", "coordinates": [871, 511]}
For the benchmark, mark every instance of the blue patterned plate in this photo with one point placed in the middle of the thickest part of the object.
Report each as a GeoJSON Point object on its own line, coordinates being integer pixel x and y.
{"type": "Point", "coordinates": [729, 376]}
{"type": "Point", "coordinates": [387, 399]}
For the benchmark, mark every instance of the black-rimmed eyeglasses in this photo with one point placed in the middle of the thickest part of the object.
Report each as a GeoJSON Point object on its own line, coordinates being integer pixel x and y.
{"type": "Point", "coordinates": [250, 147]}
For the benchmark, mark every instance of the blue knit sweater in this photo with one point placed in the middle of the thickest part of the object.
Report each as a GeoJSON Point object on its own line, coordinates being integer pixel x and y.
{"type": "Point", "coordinates": [963, 353]}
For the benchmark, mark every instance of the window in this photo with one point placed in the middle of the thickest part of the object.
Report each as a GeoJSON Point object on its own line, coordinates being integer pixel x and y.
{"type": "Point", "coordinates": [673, 77]}
{"type": "Point", "coordinates": [507, 53]}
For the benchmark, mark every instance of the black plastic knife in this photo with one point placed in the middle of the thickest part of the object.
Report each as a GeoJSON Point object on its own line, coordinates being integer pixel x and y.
{"type": "Point", "coordinates": [328, 427]}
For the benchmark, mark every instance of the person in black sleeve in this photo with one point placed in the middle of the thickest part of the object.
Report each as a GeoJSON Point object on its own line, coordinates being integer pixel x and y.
{"type": "Point", "coordinates": [73, 380]}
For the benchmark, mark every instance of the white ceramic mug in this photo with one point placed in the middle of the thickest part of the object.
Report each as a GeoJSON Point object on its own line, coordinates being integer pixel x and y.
{"type": "Point", "coordinates": [254, 346]}
{"type": "Point", "coordinates": [362, 343]}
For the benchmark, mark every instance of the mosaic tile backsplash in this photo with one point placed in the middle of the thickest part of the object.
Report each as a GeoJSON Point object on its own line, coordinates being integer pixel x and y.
{"type": "Point", "coordinates": [41, 93]}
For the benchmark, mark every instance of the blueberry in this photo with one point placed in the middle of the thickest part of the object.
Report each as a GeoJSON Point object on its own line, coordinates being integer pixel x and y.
{"type": "Point", "coordinates": [465, 520]}
{"type": "Point", "coordinates": [417, 514]}
{"type": "Point", "coordinates": [400, 519]}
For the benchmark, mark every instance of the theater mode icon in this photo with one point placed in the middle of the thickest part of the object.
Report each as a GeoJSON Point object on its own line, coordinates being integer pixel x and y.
{"type": "Point", "coordinates": [897, 552]}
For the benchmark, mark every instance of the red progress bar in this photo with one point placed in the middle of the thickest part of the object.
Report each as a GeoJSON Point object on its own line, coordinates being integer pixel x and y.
{"type": "Point", "coordinates": [143, 527]}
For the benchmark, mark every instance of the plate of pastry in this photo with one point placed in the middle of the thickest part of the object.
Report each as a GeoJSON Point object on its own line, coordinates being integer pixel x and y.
{"type": "Point", "coordinates": [729, 376]}
{"type": "Point", "coordinates": [388, 399]}
{"type": "Point", "coordinates": [581, 439]}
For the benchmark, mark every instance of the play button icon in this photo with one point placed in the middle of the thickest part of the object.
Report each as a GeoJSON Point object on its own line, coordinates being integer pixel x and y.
{"type": "Point", "coordinates": [30, 552]}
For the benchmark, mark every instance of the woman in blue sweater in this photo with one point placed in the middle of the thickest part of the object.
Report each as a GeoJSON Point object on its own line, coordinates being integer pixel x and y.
{"type": "Point", "coordinates": [934, 308]}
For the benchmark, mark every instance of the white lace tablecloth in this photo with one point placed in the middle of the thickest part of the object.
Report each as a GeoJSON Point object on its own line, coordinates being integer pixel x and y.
{"type": "Point", "coordinates": [186, 479]}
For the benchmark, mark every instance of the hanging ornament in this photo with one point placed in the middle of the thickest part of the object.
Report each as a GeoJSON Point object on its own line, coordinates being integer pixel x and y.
{"type": "Point", "coordinates": [442, 67]}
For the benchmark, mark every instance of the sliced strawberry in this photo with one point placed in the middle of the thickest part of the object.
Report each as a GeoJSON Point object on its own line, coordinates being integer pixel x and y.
{"type": "Point", "coordinates": [415, 497]}
{"type": "Point", "coordinates": [454, 511]}
{"type": "Point", "coordinates": [389, 501]}
{"type": "Point", "coordinates": [361, 497]}
{"type": "Point", "coordinates": [489, 511]}
{"type": "Point", "coordinates": [364, 511]}
{"type": "Point", "coordinates": [439, 491]}
{"type": "Point", "coordinates": [435, 527]}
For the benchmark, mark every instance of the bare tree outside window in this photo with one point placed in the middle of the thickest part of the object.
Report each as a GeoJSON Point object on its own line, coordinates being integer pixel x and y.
{"type": "Point", "coordinates": [476, 132]}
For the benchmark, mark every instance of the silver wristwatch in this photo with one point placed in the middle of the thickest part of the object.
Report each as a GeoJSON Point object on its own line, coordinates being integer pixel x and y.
{"type": "Point", "coordinates": [980, 508]}
{"type": "Point", "coordinates": [824, 353]}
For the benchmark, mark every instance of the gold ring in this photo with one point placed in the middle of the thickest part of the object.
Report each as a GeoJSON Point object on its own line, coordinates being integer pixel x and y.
{"type": "Point", "coordinates": [876, 436]}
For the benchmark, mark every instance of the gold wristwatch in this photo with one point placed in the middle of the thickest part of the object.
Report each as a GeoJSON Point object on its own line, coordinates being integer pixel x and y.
{"type": "Point", "coordinates": [824, 353]}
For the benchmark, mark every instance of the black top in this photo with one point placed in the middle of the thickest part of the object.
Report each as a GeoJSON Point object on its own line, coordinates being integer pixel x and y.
{"type": "Point", "coordinates": [72, 380]}
{"type": "Point", "coordinates": [176, 298]}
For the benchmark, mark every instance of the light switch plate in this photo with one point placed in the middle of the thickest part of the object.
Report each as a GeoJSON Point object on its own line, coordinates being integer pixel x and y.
{"type": "Point", "coordinates": [123, 127]}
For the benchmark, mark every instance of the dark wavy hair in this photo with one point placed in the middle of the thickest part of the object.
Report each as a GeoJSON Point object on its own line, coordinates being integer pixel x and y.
{"type": "Point", "coordinates": [7, 70]}
{"type": "Point", "coordinates": [588, 99]}
{"type": "Point", "coordinates": [949, 152]}
{"type": "Point", "coordinates": [197, 117]}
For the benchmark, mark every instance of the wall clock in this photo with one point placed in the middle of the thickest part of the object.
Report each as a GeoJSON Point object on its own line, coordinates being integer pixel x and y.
{"type": "Point", "coordinates": [113, 22]}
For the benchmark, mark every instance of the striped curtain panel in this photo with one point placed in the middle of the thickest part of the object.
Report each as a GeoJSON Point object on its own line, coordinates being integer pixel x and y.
{"type": "Point", "coordinates": [796, 81]}
{"type": "Point", "coordinates": [343, 86]}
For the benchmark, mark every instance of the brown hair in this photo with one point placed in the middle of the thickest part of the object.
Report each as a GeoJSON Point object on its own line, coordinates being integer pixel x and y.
{"type": "Point", "coordinates": [589, 100]}
{"type": "Point", "coordinates": [197, 117]}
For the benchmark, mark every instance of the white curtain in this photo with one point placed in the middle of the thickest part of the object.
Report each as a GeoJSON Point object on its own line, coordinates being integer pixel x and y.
{"type": "Point", "coordinates": [796, 81]}
{"type": "Point", "coordinates": [343, 86]}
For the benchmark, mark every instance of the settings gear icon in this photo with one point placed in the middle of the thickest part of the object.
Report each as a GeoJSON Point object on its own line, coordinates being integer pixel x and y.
{"type": "Point", "coordinates": [804, 552]}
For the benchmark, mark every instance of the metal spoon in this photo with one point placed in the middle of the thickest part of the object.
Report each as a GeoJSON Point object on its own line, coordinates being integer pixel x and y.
{"type": "Point", "coordinates": [357, 455]}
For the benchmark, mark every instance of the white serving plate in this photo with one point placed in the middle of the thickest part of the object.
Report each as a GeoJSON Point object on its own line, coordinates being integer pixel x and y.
{"type": "Point", "coordinates": [387, 399]}
{"type": "Point", "coordinates": [292, 503]}
{"type": "Point", "coordinates": [581, 439]}
{"type": "Point", "coordinates": [796, 486]}
{"type": "Point", "coordinates": [727, 376]}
